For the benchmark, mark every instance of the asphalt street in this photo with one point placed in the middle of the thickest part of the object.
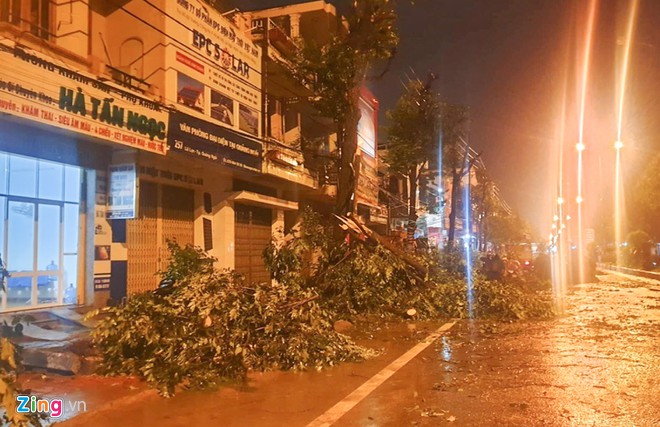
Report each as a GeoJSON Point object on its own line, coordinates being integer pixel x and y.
{"type": "Point", "coordinates": [598, 365]}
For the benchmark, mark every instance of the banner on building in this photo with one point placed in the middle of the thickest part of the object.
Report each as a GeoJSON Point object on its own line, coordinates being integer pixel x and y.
{"type": "Point", "coordinates": [38, 88]}
{"type": "Point", "coordinates": [122, 194]}
{"type": "Point", "coordinates": [367, 188]}
{"type": "Point", "coordinates": [217, 70]}
{"type": "Point", "coordinates": [205, 140]}
{"type": "Point", "coordinates": [367, 129]}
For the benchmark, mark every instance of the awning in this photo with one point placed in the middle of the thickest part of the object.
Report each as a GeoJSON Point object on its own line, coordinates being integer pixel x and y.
{"type": "Point", "coordinates": [256, 199]}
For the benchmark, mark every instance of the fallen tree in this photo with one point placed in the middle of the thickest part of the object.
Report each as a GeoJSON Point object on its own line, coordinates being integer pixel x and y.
{"type": "Point", "coordinates": [372, 276]}
{"type": "Point", "coordinates": [211, 326]}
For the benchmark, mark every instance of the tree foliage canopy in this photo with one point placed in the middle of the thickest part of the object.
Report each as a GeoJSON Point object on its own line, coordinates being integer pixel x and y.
{"type": "Point", "coordinates": [337, 68]}
{"type": "Point", "coordinates": [335, 73]}
{"type": "Point", "coordinates": [413, 133]}
{"type": "Point", "coordinates": [453, 128]}
{"type": "Point", "coordinates": [507, 228]}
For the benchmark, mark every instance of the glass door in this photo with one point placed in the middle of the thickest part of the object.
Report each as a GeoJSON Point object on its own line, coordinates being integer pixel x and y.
{"type": "Point", "coordinates": [39, 208]}
{"type": "Point", "coordinates": [48, 269]}
{"type": "Point", "coordinates": [20, 248]}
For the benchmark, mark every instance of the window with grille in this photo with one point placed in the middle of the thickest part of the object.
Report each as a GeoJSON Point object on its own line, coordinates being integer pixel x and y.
{"type": "Point", "coordinates": [28, 15]}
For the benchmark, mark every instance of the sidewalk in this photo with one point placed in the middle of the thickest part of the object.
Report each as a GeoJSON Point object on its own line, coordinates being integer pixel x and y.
{"type": "Point", "coordinates": [54, 339]}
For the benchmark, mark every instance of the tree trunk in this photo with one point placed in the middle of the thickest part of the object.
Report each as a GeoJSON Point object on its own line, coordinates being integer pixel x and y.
{"type": "Point", "coordinates": [412, 207]}
{"type": "Point", "coordinates": [455, 192]}
{"type": "Point", "coordinates": [347, 141]}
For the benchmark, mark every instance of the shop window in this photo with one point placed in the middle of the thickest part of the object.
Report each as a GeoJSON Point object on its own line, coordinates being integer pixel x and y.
{"type": "Point", "coordinates": [50, 180]}
{"type": "Point", "coordinates": [29, 15]}
{"type": "Point", "coordinates": [4, 168]}
{"type": "Point", "coordinates": [71, 184]}
{"type": "Point", "coordinates": [48, 232]}
{"type": "Point", "coordinates": [3, 213]}
{"type": "Point", "coordinates": [20, 236]}
{"type": "Point", "coordinates": [70, 277]}
{"type": "Point", "coordinates": [70, 228]}
{"type": "Point", "coordinates": [22, 176]}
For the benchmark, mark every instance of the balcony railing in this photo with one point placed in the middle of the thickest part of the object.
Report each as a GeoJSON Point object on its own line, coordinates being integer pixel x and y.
{"type": "Point", "coordinates": [277, 37]}
{"type": "Point", "coordinates": [287, 163]}
{"type": "Point", "coordinates": [127, 80]}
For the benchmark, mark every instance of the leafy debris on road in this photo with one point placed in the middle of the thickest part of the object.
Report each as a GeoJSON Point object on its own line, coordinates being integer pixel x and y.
{"type": "Point", "coordinates": [169, 340]}
{"type": "Point", "coordinates": [432, 413]}
{"type": "Point", "coordinates": [211, 325]}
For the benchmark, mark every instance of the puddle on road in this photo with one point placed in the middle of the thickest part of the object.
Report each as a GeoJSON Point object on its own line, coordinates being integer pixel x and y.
{"type": "Point", "coordinates": [446, 349]}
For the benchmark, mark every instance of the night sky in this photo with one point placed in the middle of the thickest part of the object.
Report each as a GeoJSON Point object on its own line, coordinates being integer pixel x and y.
{"type": "Point", "coordinates": [511, 61]}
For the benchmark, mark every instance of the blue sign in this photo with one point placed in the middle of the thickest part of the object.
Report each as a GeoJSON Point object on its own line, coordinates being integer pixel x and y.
{"type": "Point", "coordinates": [206, 140]}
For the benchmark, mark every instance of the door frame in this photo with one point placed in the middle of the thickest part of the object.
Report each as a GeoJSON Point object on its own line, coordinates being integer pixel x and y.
{"type": "Point", "coordinates": [36, 272]}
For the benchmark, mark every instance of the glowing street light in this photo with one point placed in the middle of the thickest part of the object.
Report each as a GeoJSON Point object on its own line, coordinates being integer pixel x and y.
{"type": "Point", "coordinates": [555, 218]}
{"type": "Point", "coordinates": [580, 146]}
{"type": "Point", "coordinates": [579, 199]}
{"type": "Point", "coordinates": [618, 145]}
{"type": "Point", "coordinates": [568, 217]}
{"type": "Point", "coordinates": [560, 200]}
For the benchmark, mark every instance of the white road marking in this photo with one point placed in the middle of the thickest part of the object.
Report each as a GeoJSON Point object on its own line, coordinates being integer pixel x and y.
{"type": "Point", "coordinates": [342, 407]}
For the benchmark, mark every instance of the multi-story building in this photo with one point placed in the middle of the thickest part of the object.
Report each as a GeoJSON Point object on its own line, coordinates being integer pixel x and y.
{"type": "Point", "coordinates": [293, 130]}
{"type": "Point", "coordinates": [130, 123]}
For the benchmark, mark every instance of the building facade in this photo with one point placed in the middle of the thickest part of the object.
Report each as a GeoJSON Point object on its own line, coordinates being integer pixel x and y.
{"type": "Point", "coordinates": [125, 125]}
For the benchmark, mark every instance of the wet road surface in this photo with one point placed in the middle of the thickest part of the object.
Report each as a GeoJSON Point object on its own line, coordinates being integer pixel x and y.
{"type": "Point", "coordinates": [599, 365]}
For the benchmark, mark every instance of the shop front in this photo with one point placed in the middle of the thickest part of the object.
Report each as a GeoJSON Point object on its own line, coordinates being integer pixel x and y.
{"type": "Point", "coordinates": [60, 130]}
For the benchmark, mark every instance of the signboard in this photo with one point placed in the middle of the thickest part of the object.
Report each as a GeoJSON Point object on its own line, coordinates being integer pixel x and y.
{"type": "Point", "coordinates": [206, 140]}
{"type": "Point", "coordinates": [366, 190]}
{"type": "Point", "coordinates": [102, 282]}
{"type": "Point", "coordinates": [217, 74]}
{"type": "Point", "coordinates": [36, 87]}
{"type": "Point", "coordinates": [122, 195]}
{"type": "Point", "coordinates": [367, 129]}
{"type": "Point", "coordinates": [168, 175]}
